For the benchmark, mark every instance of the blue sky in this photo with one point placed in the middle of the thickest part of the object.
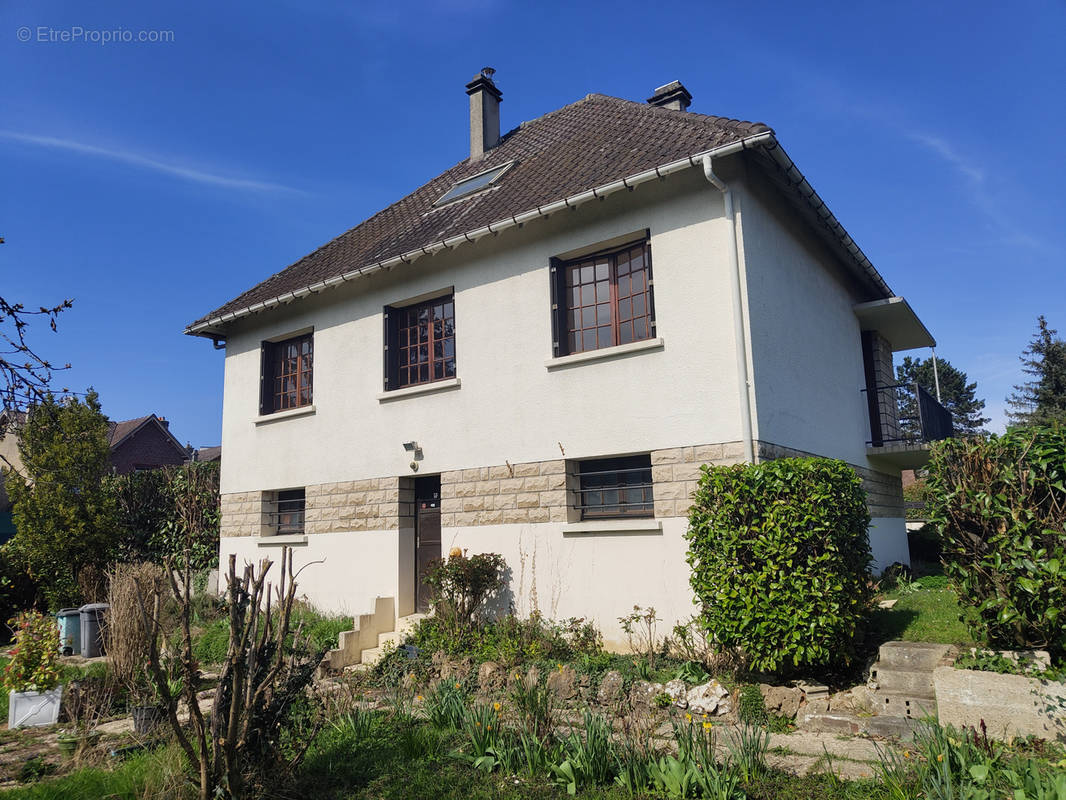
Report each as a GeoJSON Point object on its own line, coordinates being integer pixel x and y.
{"type": "Point", "coordinates": [152, 182]}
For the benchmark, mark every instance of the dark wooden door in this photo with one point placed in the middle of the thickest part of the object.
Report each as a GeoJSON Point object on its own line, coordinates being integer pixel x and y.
{"type": "Point", "coordinates": [427, 536]}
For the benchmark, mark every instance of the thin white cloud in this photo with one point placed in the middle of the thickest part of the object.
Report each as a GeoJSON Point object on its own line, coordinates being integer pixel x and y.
{"type": "Point", "coordinates": [970, 171]}
{"type": "Point", "coordinates": [145, 162]}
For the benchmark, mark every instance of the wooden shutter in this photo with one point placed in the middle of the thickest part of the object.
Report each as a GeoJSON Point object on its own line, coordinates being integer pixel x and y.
{"type": "Point", "coordinates": [266, 378]}
{"type": "Point", "coordinates": [560, 343]}
{"type": "Point", "coordinates": [391, 349]}
{"type": "Point", "coordinates": [651, 284]}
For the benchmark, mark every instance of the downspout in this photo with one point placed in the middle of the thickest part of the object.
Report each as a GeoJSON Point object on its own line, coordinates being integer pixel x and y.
{"type": "Point", "coordinates": [739, 329]}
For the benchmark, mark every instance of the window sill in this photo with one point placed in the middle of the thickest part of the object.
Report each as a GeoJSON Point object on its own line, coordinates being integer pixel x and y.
{"type": "Point", "coordinates": [614, 527]}
{"type": "Point", "coordinates": [288, 413]}
{"type": "Point", "coordinates": [605, 353]}
{"type": "Point", "coordinates": [426, 388]}
{"type": "Point", "coordinates": [281, 541]}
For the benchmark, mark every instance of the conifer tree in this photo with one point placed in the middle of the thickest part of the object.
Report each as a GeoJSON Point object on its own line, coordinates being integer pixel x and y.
{"type": "Point", "coordinates": [957, 393]}
{"type": "Point", "coordinates": [1042, 399]}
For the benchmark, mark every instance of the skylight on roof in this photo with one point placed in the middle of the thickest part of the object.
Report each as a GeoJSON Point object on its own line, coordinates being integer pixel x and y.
{"type": "Point", "coordinates": [474, 184]}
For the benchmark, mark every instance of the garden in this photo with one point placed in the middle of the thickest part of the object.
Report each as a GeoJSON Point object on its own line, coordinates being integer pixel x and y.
{"type": "Point", "coordinates": [235, 700]}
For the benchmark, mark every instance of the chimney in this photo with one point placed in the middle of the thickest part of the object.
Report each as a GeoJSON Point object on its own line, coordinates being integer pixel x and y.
{"type": "Point", "coordinates": [484, 113]}
{"type": "Point", "coordinates": [673, 95]}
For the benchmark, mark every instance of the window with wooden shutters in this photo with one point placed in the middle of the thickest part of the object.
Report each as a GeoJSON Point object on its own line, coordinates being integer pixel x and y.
{"type": "Point", "coordinates": [420, 343]}
{"type": "Point", "coordinates": [602, 300]}
{"type": "Point", "coordinates": [288, 370]}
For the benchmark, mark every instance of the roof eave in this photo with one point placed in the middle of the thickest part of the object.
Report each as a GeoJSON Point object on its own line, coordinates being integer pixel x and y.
{"type": "Point", "coordinates": [214, 327]}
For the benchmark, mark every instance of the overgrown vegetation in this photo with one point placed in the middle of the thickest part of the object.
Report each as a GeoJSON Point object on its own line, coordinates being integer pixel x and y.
{"type": "Point", "coordinates": [65, 517]}
{"type": "Point", "coordinates": [463, 584]}
{"type": "Point", "coordinates": [164, 513]}
{"type": "Point", "coordinates": [34, 664]}
{"type": "Point", "coordinates": [999, 505]}
{"type": "Point", "coordinates": [780, 560]}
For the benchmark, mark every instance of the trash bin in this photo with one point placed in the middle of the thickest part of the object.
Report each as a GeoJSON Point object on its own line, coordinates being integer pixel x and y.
{"type": "Point", "coordinates": [92, 629]}
{"type": "Point", "coordinates": [69, 621]}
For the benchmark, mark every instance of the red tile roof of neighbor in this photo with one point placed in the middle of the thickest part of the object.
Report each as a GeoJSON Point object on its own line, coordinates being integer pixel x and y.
{"type": "Point", "coordinates": [582, 146]}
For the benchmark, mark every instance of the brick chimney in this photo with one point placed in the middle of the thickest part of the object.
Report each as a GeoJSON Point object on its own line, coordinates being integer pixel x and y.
{"type": "Point", "coordinates": [484, 113]}
{"type": "Point", "coordinates": [673, 95]}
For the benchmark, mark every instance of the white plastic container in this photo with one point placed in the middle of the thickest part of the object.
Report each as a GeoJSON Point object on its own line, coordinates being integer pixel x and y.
{"type": "Point", "coordinates": [34, 709]}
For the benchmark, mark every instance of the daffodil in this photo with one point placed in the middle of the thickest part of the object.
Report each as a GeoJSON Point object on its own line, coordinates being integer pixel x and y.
{"type": "Point", "coordinates": [688, 717]}
{"type": "Point", "coordinates": [496, 706]}
{"type": "Point", "coordinates": [706, 726]}
{"type": "Point", "coordinates": [457, 686]}
{"type": "Point", "coordinates": [939, 756]}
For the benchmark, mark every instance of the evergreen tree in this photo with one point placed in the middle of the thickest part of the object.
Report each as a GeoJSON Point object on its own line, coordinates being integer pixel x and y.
{"type": "Point", "coordinates": [957, 393]}
{"type": "Point", "coordinates": [1041, 400]}
{"type": "Point", "coordinates": [64, 516]}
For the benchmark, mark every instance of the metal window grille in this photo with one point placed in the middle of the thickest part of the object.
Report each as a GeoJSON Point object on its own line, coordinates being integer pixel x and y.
{"type": "Point", "coordinates": [615, 487]}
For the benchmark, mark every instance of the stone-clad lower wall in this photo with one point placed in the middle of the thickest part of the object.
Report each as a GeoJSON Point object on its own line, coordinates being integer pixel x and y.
{"type": "Point", "coordinates": [372, 504]}
{"type": "Point", "coordinates": [536, 491]}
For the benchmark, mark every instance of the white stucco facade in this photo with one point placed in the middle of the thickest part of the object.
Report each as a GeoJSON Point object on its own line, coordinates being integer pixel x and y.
{"type": "Point", "coordinates": [513, 405]}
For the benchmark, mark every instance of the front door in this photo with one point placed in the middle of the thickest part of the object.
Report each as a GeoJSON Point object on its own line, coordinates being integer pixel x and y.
{"type": "Point", "coordinates": [427, 536]}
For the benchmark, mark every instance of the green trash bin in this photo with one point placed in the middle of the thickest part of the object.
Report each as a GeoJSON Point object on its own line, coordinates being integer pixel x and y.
{"type": "Point", "coordinates": [69, 621]}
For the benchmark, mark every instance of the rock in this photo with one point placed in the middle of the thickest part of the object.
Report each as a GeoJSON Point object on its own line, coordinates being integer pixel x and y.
{"type": "Point", "coordinates": [781, 700]}
{"type": "Point", "coordinates": [643, 694]}
{"type": "Point", "coordinates": [490, 677]}
{"type": "Point", "coordinates": [725, 706]}
{"type": "Point", "coordinates": [677, 691]}
{"type": "Point", "coordinates": [705, 698]}
{"type": "Point", "coordinates": [611, 687]}
{"type": "Point", "coordinates": [562, 683]}
{"type": "Point", "coordinates": [451, 669]}
{"type": "Point", "coordinates": [856, 700]}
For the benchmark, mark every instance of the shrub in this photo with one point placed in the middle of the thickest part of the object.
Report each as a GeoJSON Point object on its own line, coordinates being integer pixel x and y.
{"type": "Point", "coordinates": [780, 560]}
{"type": "Point", "coordinates": [463, 583]}
{"type": "Point", "coordinates": [1000, 507]}
{"type": "Point", "coordinates": [34, 664]}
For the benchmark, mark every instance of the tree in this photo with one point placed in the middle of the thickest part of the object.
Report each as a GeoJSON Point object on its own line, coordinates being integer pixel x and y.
{"type": "Point", "coordinates": [24, 375]}
{"type": "Point", "coordinates": [1042, 400]}
{"type": "Point", "coordinates": [64, 516]}
{"type": "Point", "coordinates": [957, 395]}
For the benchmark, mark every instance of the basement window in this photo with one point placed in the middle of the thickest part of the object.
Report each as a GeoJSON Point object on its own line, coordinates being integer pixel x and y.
{"type": "Point", "coordinates": [614, 488]}
{"type": "Point", "coordinates": [474, 183]}
{"type": "Point", "coordinates": [284, 512]}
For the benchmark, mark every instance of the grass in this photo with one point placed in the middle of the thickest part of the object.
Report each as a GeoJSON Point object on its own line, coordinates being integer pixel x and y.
{"type": "Point", "coordinates": [151, 774]}
{"type": "Point", "coordinates": [929, 613]}
{"type": "Point", "coordinates": [210, 644]}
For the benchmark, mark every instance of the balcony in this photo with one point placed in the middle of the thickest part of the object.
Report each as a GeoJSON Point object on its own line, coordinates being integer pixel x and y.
{"type": "Point", "coordinates": [904, 420]}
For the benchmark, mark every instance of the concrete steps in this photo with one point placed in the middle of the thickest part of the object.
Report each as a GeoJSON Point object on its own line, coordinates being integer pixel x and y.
{"type": "Point", "coordinates": [366, 633]}
{"type": "Point", "coordinates": [901, 681]}
{"type": "Point", "coordinates": [390, 640]}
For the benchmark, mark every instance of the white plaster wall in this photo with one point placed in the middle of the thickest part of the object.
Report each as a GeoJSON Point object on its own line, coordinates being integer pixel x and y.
{"type": "Point", "coordinates": [599, 577]}
{"type": "Point", "coordinates": [341, 572]}
{"type": "Point", "coordinates": [888, 542]}
{"type": "Point", "coordinates": [806, 347]}
{"type": "Point", "coordinates": [509, 407]}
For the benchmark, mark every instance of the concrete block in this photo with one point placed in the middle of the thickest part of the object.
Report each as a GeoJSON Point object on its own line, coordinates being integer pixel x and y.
{"type": "Point", "coordinates": [913, 655]}
{"type": "Point", "coordinates": [1009, 705]}
{"type": "Point", "coordinates": [672, 456]}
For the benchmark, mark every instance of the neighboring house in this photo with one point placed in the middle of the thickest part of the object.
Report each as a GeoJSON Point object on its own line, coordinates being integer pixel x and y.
{"type": "Point", "coordinates": [144, 443]}
{"type": "Point", "coordinates": [207, 454]}
{"type": "Point", "coordinates": [533, 353]}
{"type": "Point", "coordinates": [136, 444]}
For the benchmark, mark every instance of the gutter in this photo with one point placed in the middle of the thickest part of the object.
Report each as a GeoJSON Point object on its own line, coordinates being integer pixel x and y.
{"type": "Point", "coordinates": [766, 140]}
{"type": "Point", "coordinates": [515, 220]}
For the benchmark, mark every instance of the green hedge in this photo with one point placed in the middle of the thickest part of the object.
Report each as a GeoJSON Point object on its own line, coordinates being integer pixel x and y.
{"type": "Point", "coordinates": [780, 560]}
{"type": "Point", "coordinates": [999, 505]}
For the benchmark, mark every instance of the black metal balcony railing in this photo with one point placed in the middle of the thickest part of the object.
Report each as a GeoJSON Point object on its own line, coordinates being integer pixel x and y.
{"type": "Point", "coordinates": [905, 412]}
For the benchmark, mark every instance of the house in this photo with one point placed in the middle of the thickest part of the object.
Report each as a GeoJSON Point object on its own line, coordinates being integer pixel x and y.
{"type": "Point", "coordinates": [534, 352]}
{"type": "Point", "coordinates": [144, 443]}
{"type": "Point", "coordinates": [136, 444]}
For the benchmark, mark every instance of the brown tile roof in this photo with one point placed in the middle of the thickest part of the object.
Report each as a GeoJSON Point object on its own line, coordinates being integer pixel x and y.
{"type": "Point", "coordinates": [586, 144]}
{"type": "Point", "coordinates": [117, 431]}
